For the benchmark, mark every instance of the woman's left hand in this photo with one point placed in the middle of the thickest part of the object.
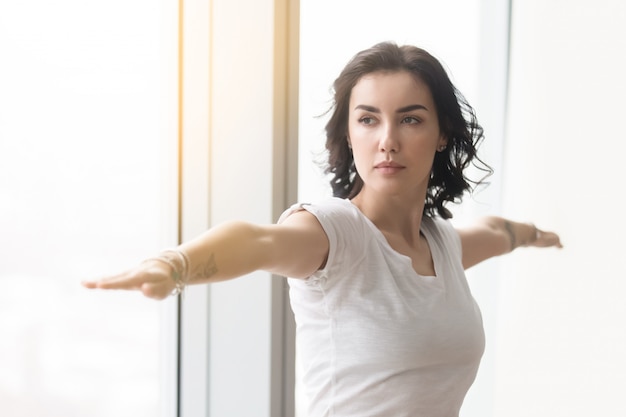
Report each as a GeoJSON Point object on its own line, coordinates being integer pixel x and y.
{"type": "Point", "coordinates": [545, 239]}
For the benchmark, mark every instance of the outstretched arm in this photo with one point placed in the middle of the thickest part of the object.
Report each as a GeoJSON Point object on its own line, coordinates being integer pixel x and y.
{"type": "Point", "coordinates": [494, 236]}
{"type": "Point", "coordinates": [297, 247]}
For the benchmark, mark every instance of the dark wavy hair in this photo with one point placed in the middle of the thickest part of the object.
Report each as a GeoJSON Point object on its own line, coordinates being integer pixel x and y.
{"type": "Point", "coordinates": [457, 122]}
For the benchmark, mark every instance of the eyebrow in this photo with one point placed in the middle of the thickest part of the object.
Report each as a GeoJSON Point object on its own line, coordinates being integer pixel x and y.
{"type": "Point", "coordinates": [400, 110]}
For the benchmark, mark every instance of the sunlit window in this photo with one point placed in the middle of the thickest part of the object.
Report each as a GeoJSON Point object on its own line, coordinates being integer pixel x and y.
{"type": "Point", "coordinates": [81, 195]}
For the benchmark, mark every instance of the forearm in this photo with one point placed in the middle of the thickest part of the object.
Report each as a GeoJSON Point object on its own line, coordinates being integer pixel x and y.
{"type": "Point", "coordinates": [224, 252]}
{"type": "Point", "coordinates": [495, 236]}
{"type": "Point", "coordinates": [500, 236]}
{"type": "Point", "coordinates": [221, 253]}
{"type": "Point", "coordinates": [295, 248]}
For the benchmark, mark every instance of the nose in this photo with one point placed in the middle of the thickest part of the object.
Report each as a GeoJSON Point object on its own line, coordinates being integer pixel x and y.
{"type": "Point", "coordinates": [388, 140]}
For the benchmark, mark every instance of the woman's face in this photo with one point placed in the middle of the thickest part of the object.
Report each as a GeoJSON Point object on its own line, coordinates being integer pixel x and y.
{"type": "Point", "coordinates": [394, 133]}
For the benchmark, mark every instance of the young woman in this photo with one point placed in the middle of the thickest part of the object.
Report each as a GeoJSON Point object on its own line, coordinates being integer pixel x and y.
{"type": "Point", "coordinates": [386, 324]}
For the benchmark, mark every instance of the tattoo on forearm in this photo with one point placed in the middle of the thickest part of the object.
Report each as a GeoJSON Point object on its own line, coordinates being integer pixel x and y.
{"type": "Point", "coordinates": [509, 229]}
{"type": "Point", "coordinates": [207, 269]}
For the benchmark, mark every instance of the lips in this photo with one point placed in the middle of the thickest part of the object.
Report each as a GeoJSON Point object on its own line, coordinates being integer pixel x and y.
{"type": "Point", "coordinates": [388, 164]}
{"type": "Point", "coordinates": [388, 167]}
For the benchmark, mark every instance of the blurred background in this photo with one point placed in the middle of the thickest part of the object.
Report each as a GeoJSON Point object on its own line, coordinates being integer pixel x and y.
{"type": "Point", "coordinates": [128, 126]}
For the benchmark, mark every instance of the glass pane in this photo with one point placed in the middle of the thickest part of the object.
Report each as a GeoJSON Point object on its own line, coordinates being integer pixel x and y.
{"type": "Point", "coordinates": [81, 168]}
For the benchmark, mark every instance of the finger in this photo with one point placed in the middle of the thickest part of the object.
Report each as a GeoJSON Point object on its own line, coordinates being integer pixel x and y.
{"type": "Point", "coordinates": [553, 239]}
{"type": "Point", "coordinates": [123, 281]}
{"type": "Point", "coordinates": [91, 284]}
{"type": "Point", "coordinates": [548, 239]}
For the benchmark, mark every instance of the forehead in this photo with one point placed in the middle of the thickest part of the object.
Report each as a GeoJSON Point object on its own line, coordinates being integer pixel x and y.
{"type": "Point", "coordinates": [399, 87]}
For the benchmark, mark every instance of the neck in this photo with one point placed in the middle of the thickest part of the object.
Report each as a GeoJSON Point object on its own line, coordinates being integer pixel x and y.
{"type": "Point", "coordinates": [399, 216]}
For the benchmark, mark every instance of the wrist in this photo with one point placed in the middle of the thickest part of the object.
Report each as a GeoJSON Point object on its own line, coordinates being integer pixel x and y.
{"type": "Point", "coordinates": [178, 261]}
{"type": "Point", "coordinates": [520, 234]}
{"type": "Point", "coordinates": [532, 235]}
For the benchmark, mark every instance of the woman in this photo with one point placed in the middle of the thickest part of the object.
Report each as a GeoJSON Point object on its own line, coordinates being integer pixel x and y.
{"type": "Point", "coordinates": [386, 324]}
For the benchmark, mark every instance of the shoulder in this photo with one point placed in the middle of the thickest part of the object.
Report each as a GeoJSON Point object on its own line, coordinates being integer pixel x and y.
{"type": "Point", "coordinates": [346, 229]}
{"type": "Point", "coordinates": [332, 213]}
{"type": "Point", "coordinates": [341, 221]}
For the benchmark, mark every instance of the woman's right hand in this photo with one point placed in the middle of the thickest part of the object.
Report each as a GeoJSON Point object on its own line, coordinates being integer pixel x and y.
{"type": "Point", "coordinates": [152, 277]}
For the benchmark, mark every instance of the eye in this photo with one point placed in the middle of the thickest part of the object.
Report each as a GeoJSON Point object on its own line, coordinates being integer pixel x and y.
{"type": "Point", "coordinates": [367, 120]}
{"type": "Point", "coordinates": [410, 120]}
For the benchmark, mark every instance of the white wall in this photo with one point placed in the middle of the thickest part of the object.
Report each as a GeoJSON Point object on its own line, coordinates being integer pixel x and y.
{"type": "Point", "coordinates": [562, 314]}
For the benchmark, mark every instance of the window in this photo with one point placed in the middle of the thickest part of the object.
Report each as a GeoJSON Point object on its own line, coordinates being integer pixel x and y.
{"type": "Point", "coordinates": [85, 190]}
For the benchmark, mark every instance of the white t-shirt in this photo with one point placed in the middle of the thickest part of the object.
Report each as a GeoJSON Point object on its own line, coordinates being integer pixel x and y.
{"type": "Point", "coordinates": [375, 338]}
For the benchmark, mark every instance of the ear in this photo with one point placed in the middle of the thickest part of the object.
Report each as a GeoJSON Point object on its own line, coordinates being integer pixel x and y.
{"type": "Point", "coordinates": [349, 142]}
{"type": "Point", "coordinates": [442, 143]}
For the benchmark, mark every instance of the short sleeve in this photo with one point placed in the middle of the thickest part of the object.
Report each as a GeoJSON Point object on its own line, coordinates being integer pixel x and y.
{"type": "Point", "coordinates": [345, 231]}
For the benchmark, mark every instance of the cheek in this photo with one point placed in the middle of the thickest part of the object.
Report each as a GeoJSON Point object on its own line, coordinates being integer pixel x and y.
{"type": "Point", "coordinates": [363, 148]}
{"type": "Point", "coordinates": [355, 131]}
{"type": "Point", "coordinates": [363, 136]}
